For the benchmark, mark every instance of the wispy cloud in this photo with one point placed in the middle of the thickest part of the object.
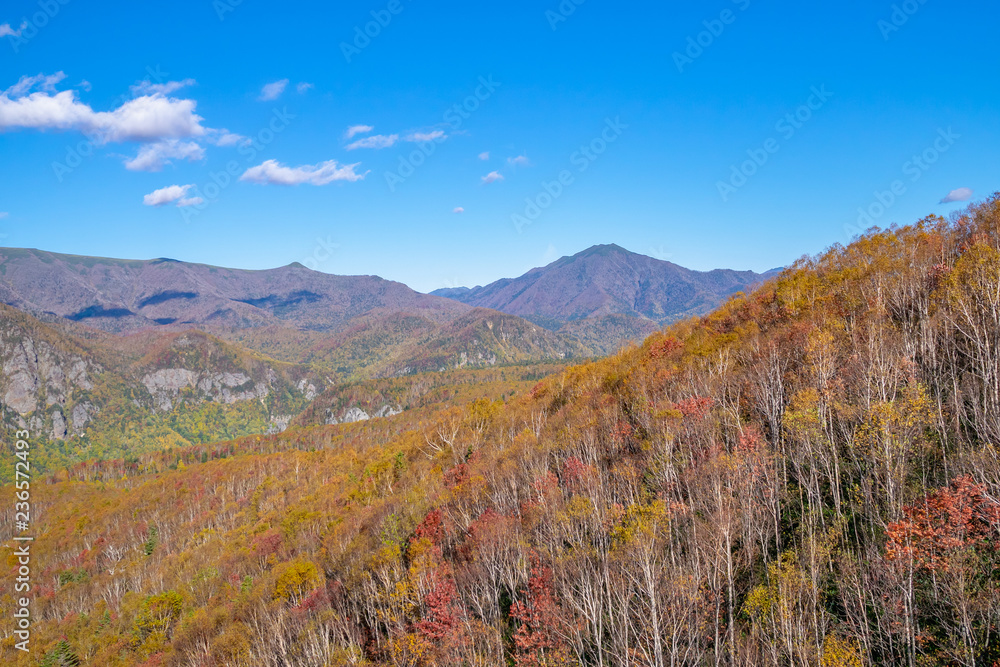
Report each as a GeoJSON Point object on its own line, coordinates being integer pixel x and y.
{"type": "Point", "coordinates": [273, 90]}
{"type": "Point", "coordinates": [519, 161]}
{"type": "Point", "coordinates": [303, 87]}
{"type": "Point", "coordinates": [272, 172]}
{"type": "Point", "coordinates": [7, 31]}
{"type": "Point", "coordinates": [376, 141]}
{"type": "Point", "coordinates": [224, 138]}
{"type": "Point", "coordinates": [34, 104]}
{"type": "Point", "coordinates": [172, 194]}
{"type": "Point", "coordinates": [43, 82]}
{"type": "Point", "coordinates": [357, 129]}
{"type": "Point", "coordinates": [492, 177]}
{"type": "Point", "coordinates": [961, 194]}
{"type": "Point", "coordinates": [3, 214]}
{"type": "Point", "coordinates": [485, 155]}
{"type": "Point", "coordinates": [426, 136]}
{"type": "Point", "coordinates": [149, 88]}
{"type": "Point", "coordinates": [459, 209]}
{"type": "Point", "coordinates": [152, 157]}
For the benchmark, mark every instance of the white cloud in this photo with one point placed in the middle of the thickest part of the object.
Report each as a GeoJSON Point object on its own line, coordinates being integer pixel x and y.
{"type": "Point", "coordinates": [426, 136]}
{"type": "Point", "coordinates": [961, 194]}
{"type": "Point", "coordinates": [273, 90]}
{"type": "Point", "coordinates": [148, 88]}
{"type": "Point", "coordinates": [519, 161]}
{"type": "Point", "coordinates": [303, 87]}
{"type": "Point", "coordinates": [459, 209]}
{"type": "Point", "coordinates": [272, 172]}
{"type": "Point", "coordinates": [357, 129]}
{"type": "Point", "coordinates": [485, 155]}
{"type": "Point", "coordinates": [376, 141]}
{"type": "Point", "coordinates": [148, 118]}
{"type": "Point", "coordinates": [226, 138]}
{"type": "Point", "coordinates": [85, 85]}
{"type": "Point", "coordinates": [492, 177]}
{"type": "Point", "coordinates": [172, 194]}
{"type": "Point", "coordinates": [44, 82]}
{"type": "Point", "coordinates": [6, 30]}
{"type": "Point", "coordinates": [151, 118]}
{"type": "Point", "coordinates": [152, 157]}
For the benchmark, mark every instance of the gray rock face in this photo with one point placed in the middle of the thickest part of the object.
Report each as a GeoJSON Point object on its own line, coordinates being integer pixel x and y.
{"type": "Point", "coordinates": [36, 376]}
{"type": "Point", "coordinates": [356, 414]}
{"type": "Point", "coordinates": [81, 415]}
{"type": "Point", "coordinates": [166, 384]}
{"type": "Point", "coordinates": [479, 360]}
{"type": "Point", "coordinates": [58, 425]}
{"type": "Point", "coordinates": [308, 389]}
{"type": "Point", "coordinates": [22, 379]}
{"type": "Point", "coordinates": [279, 423]}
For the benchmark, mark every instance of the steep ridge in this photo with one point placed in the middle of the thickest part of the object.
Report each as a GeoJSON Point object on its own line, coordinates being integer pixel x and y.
{"type": "Point", "coordinates": [608, 293]}
{"type": "Point", "coordinates": [124, 295]}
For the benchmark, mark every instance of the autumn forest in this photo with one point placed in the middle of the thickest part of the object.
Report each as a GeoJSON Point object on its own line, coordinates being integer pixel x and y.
{"type": "Point", "coordinates": [807, 475]}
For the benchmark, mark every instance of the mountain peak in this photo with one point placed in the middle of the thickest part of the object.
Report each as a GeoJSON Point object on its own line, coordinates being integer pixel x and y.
{"type": "Point", "coordinates": [607, 293]}
{"type": "Point", "coordinates": [603, 249]}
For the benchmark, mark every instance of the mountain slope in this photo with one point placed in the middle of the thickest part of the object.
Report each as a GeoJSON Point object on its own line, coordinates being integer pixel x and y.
{"type": "Point", "coordinates": [806, 476]}
{"type": "Point", "coordinates": [349, 327]}
{"type": "Point", "coordinates": [639, 293]}
{"type": "Point", "coordinates": [108, 396]}
{"type": "Point", "coordinates": [123, 295]}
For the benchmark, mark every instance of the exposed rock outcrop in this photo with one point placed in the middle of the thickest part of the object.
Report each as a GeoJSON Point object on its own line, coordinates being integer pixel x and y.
{"type": "Point", "coordinates": [166, 385]}
{"type": "Point", "coordinates": [356, 414]}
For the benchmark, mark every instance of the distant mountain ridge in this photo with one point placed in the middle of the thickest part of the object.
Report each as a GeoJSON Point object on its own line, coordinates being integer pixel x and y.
{"type": "Point", "coordinates": [124, 295]}
{"type": "Point", "coordinates": [366, 326]}
{"type": "Point", "coordinates": [346, 326]}
{"type": "Point", "coordinates": [608, 286]}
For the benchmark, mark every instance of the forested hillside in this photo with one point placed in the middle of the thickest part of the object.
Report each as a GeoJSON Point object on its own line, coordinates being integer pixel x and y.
{"type": "Point", "coordinates": [806, 476]}
{"type": "Point", "coordinates": [88, 394]}
{"type": "Point", "coordinates": [605, 295]}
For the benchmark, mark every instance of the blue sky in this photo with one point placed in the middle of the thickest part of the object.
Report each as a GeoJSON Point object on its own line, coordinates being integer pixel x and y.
{"type": "Point", "coordinates": [139, 104]}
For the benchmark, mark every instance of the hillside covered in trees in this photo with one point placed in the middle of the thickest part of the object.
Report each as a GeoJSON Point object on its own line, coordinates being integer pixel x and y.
{"type": "Point", "coordinates": [806, 476]}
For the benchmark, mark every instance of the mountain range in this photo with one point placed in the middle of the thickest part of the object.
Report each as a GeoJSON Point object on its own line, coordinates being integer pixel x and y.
{"type": "Point", "coordinates": [594, 301]}
{"type": "Point", "coordinates": [606, 294]}
{"type": "Point", "coordinates": [127, 295]}
{"type": "Point", "coordinates": [106, 355]}
{"type": "Point", "coordinates": [349, 326]}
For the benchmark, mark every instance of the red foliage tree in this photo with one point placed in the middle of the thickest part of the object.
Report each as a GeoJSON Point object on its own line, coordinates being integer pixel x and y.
{"type": "Point", "coordinates": [695, 406]}
{"type": "Point", "coordinates": [441, 625]}
{"type": "Point", "coordinates": [664, 347]}
{"type": "Point", "coordinates": [432, 527]}
{"type": "Point", "coordinates": [536, 641]}
{"type": "Point", "coordinates": [577, 475]}
{"type": "Point", "coordinates": [949, 521]}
